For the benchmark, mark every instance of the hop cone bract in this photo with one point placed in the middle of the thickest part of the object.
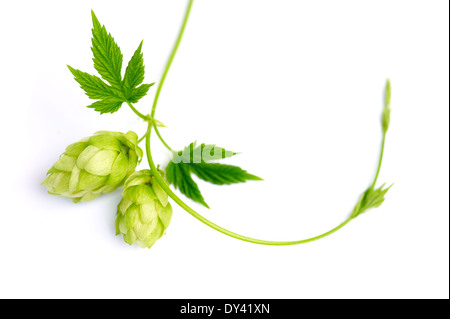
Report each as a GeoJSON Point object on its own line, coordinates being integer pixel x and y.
{"type": "Point", "coordinates": [94, 166]}
{"type": "Point", "coordinates": [144, 212]}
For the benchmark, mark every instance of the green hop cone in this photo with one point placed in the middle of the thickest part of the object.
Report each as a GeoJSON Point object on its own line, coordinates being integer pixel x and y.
{"type": "Point", "coordinates": [94, 166]}
{"type": "Point", "coordinates": [144, 212]}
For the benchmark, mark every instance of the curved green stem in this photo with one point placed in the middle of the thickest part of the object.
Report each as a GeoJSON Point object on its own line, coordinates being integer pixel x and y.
{"type": "Point", "coordinates": [164, 75]}
{"type": "Point", "coordinates": [165, 186]}
{"type": "Point", "coordinates": [142, 116]}
{"type": "Point", "coordinates": [161, 181]}
{"type": "Point", "coordinates": [171, 57]}
{"type": "Point", "coordinates": [161, 139]}
{"type": "Point", "coordinates": [380, 160]}
{"type": "Point", "coordinates": [142, 138]}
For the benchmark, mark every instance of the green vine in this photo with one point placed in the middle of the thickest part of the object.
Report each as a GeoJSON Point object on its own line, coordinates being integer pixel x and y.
{"type": "Point", "coordinates": [191, 211]}
{"type": "Point", "coordinates": [101, 163]}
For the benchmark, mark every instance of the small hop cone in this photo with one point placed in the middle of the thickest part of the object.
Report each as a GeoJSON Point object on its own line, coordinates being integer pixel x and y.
{"type": "Point", "coordinates": [144, 212]}
{"type": "Point", "coordinates": [94, 166]}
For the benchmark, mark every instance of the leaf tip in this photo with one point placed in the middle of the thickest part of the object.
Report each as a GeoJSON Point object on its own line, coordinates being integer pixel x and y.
{"type": "Point", "coordinates": [204, 204]}
{"type": "Point", "coordinates": [95, 21]}
{"type": "Point", "coordinates": [252, 177]}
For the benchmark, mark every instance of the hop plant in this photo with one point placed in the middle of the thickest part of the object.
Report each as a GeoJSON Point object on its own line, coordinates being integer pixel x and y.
{"type": "Point", "coordinates": [94, 166]}
{"type": "Point", "coordinates": [144, 213]}
{"type": "Point", "coordinates": [103, 162]}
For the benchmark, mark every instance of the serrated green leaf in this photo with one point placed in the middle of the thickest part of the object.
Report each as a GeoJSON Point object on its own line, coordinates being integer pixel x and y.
{"type": "Point", "coordinates": [212, 152]}
{"type": "Point", "coordinates": [179, 176]}
{"type": "Point", "coordinates": [134, 74]}
{"type": "Point", "coordinates": [107, 55]}
{"type": "Point", "coordinates": [93, 86]}
{"type": "Point", "coordinates": [108, 62]}
{"type": "Point", "coordinates": [195, 159]}
{"type": "Point", "coordinates": [136, 94]}
{"type": "Point", "coordinates": [107, 105]}
{"type": "Point", "coordinates": [221, 174]}
{"type": "Point", "coordinates": [203, 153]}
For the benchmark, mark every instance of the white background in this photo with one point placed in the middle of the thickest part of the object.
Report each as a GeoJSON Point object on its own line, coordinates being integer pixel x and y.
{"type": "Point", "coordinates": [297, 87]}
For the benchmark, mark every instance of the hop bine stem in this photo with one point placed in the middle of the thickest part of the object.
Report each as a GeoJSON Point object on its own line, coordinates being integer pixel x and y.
{"type": "Point", "coordinates": [383, 142]}
{"type": "Point", "coordinates": [148, 118]}
{"type": "Point", "coordinates": [142, 116]}
{"type": "Point", "coordinates": [165, 186]}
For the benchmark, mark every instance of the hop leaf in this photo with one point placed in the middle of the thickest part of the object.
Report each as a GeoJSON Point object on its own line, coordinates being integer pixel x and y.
{"type": "Point", "coordinates": [221, 174]}
{"type": "Point", "coordinates": [134, 75]}
{"type": "Point", "coordinates": [108, 63]}
{"type": "Point", "coordinates": [201, 154]}
{"type": "Point", "coordinates": [179, 176]}
{"type": "Point", "coordinates": [107, 55]}
{"type": "Point", "coordinates": [196, 159]}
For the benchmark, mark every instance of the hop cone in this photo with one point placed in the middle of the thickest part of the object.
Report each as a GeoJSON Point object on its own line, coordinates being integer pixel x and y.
{"type": "Point", "coordinates": [94, 166]}
{"type": "Point", "coordinates": [144, 212]}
